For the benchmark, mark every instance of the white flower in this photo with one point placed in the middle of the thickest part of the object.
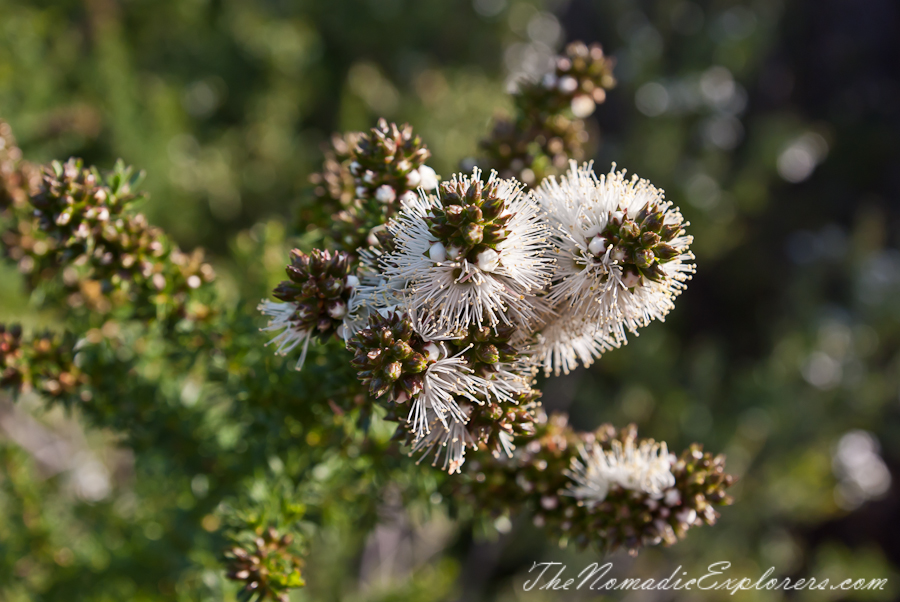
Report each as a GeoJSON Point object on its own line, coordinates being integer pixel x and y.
{"type": "Point", "coordinates": [372, 292]}
{"type": "Point", "coordinates": [597, 279]}
{"type": "Point", "coordinates": [385, 194]}
{"type": "Point", "coordinates": [567, 340]}
{"type": "Point", "coordinates": [441, 280]}
{"type": "Point", "coordinates": [427, 178]}
{"type": "Point", "coordinates": [645, 468]}
{"type": "Point", "coordinates": [283, 317]}
{"type": "Point", "coordinates": [444, 383]}
{"type": "Point", "coordinates": [450, 440]}
{"type": "Point", "coordinates": [413, 178]}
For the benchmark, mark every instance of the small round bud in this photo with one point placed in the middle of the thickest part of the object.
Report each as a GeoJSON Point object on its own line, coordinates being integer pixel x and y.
{"type": "Point", "coordinates": [643, 258]}
{"type": "Point", "coordinates": [427, 178]}
{"type": "Point", "coordinates": [337, 309]}
{"type": "Point", "coordinates": [598, 246]}
{"type": "Point", "coordinates": [433, 352]}
{"type": "Point", "coordinates": [488, 260]}
{"type": "Point", "coordinates": [630, 278]}
{"type": "Point", "coordinates": [473, 234]}
{"type": "Point", "coordinates": [438, 252]}
{"type": "Point", "coordinates": [393, 370]}
{"type": "Point", "coordinates": [385, 194]}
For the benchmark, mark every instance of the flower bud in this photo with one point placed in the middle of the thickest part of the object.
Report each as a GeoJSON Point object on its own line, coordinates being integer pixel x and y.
{"type": "Point", "coordinates": [597, 245]}
{"type": "Point", "coordinates": [630, 277]}
{"type": "Point", "coordinates": [643, 258]}
{"type": "Point", "coordinates": [472, 234]}
{"type": "Point", "coordinates": [438, 252]}
{"type": "Point", "coordinates": [415, 363]}
{"type": "Point", "coordinates": [665, 252]}
{"type": "Point", "coordinates": [393, 371]}
{"type": "Point", "coordinates": [653, 222]}
{"type": "Point", "coordinates": [650, 239]}
{"type": "Point", "coordinates": [487, 354]}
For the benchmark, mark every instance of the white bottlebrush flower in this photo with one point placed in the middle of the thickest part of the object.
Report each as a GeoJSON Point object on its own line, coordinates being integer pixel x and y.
{"type": "Point", "coordinates": [283, 317]}
{"type": "Point", "coordinates": [623, 255]}
{"type": "Point", "coordinates": [492, 282]}
{"type": "Point", "coordinates": [373, 293]}
{"type": "Point", "coordinates": [444, 383]}
{"type": "Point", "coordinates": [645, 468]}
{"type": "Point", "coordinates": [567, 340]}
{"type": "Point", "coordinates": [449, 440]}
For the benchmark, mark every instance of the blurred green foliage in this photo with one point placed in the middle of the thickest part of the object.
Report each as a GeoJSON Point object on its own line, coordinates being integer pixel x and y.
{"type": "Point", "coordinates": [772, 124]}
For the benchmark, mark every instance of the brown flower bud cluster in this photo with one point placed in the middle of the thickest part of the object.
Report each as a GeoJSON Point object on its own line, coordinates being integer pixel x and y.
{"type": "Point", "coordinates": [495, 427]}
{"type": "Point", "coordinates": [538, 478]}
{"type": "Point", "coordinates": [364, 178]}
{"type": "Point", "coordinates": [266, 566]}
{"type": "Point", "coordinates": [44, 363]}
{"type": "Point", "coordinates": [472, 218]}
{"type": "Point", "coordinates": [391, 357]}
{"type": "Point", "coordinates": [640, 243]}
{"type": "Point", "coordinates": [485, 348]}
{"type": "Point", "coordinates": [107, 256]}
{"type": "Point", "coordinates": [319, 286]}
{"type": "Point", "coordinates": [548, 128]}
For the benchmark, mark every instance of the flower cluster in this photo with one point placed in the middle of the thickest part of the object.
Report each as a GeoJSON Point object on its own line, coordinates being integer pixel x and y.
{"type": "Point", "coordinates": [475, 288]}
{"type": "Point", "coordinates": [460, 294]}
{"type": "Point", "coordinates": [548, 128]}
{"type": "Point", "coordinates": [43, 363]}
{"type": "Point", "coordinates": [80, 223]}
{"type": "Point", "coordinates": [313, 301]}
{"type": "Point", "coordinates": [367, 176]}
{"type": "Point", "coordinates": [452, 296]}
{"type": "Point", "coordinates": [266, 566]}
{"type": "Point", "coordinates": [605, 488]}
{"type": "Point", "coordinates": [622, 259]}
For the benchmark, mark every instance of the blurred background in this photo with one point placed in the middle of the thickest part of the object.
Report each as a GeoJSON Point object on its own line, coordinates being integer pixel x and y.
{"type": "Point", "coordinates": [773, 124]}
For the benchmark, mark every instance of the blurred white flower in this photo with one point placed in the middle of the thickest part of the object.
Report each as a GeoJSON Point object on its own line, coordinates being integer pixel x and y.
{"type": "Point", "coordinates": [862, 473]}
{"type": "Point", "coordinates": [645, 468]}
